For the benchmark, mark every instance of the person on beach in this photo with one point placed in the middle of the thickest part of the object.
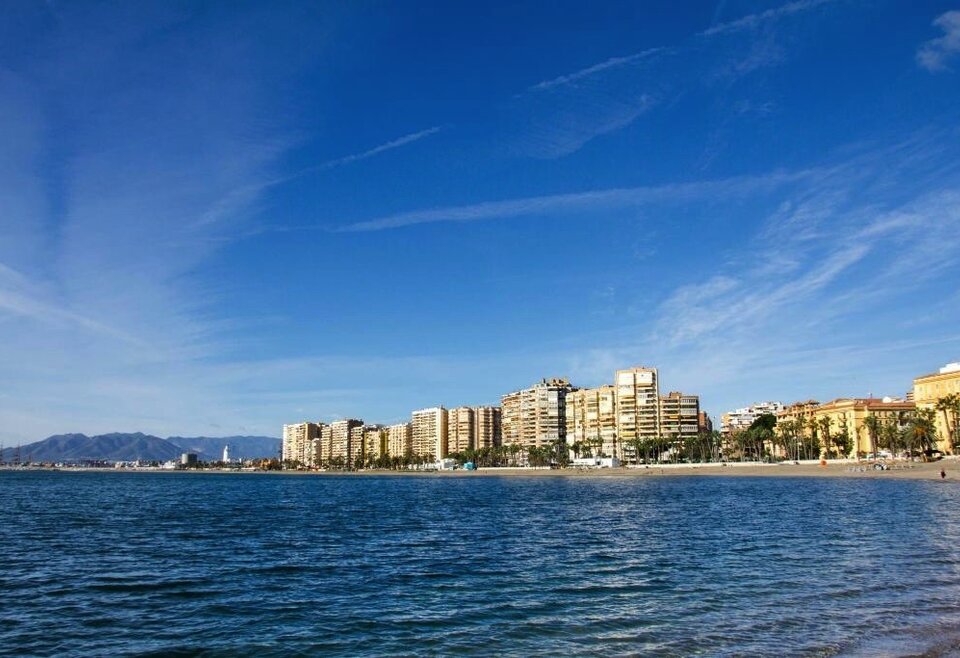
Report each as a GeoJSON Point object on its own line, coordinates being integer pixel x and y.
{"type": "Point", "coordinates": [943, 474]}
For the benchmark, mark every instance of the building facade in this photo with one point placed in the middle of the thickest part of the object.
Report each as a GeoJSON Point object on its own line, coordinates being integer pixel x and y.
{"type": "Point", "coordinates": [400, 440]}
{"type": "Point", "coordinates": [487, 432]}
{"type": "Point", "coordinates": [374, 442]}
{"type": "Point", "coordinates": [297, 444]}
{"type": "Point", "coordinates": [461, 429]}
{"type": "Point", "coordinates": [591, 418]}
{"type": "Point", "coordinates": [638, 408]}
{"type": "Point", "coordinates": [429, 433]}
{"type": "Point", "coordinates": [940, 391]}
{"type": "Point", "coordinates": [536, 416]}
{"type": "Point", "coordinates": [679, 417]}
{"type": "Point", "coordinates": [346, 440]}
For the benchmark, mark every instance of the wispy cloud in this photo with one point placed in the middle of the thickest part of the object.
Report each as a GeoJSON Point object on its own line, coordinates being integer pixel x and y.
{"type": "Point", "coordinates": [559, 116]}
{"type": "Point", "coordinates": [578, 201]}
{"type": "Point", "coordinates": [936, 53]}
{"type": "Point", "coordinates": [754, 20]}
{"type": "Point", "coordinates": [596, 68]}
{"type": "Point", "coordinates": [376, 150]}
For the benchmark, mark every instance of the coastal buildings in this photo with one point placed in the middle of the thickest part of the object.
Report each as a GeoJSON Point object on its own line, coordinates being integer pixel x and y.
{"type": "Point", "coordinates": [487, 427]}
{"type": "Point", "coordinates": [297, 442]}
{"type": "Point", "coordinates": [840, 428]}
{"type": "Point", "coordinates": [536, 416]}
{"type": "Point", "coordinates": [742, 418]}
{"type": "Point", "coordinates": [346, 440]}
{"type": "Point", "coordinates": [400, 440]}
{"type": "Point", "coordinates": [940, 392]}
{"type": "Point", "coordinates": [638, 408]}
{"type": "Point", "coordinates": [429, 433]}
{"type": "Point", "coordinates": [461, 428]}
{"type": "Point", "coordinates": [324, 447]}
{"type": "Point", "coordinates": [591, 418]}
{"type": "Point", "coordinates": [374, 441]}
{"type": "Point", "coordinates": [679, 416]}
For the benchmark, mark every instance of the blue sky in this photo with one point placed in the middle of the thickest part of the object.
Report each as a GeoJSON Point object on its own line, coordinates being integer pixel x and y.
{"type": "Point", "coordinates": [219, 217]}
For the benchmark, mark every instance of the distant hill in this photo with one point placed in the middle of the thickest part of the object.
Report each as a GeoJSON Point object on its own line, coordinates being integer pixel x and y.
{"type": "Point", "coordinates": [114, 447]}
{"type": "Point", "coordinates": [241, 447]}
{"type": "Point", "coordinates": [139, 446]}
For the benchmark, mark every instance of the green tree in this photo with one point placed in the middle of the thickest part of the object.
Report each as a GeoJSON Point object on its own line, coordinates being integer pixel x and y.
{"type": "Point", "coordinates": [874, 426]}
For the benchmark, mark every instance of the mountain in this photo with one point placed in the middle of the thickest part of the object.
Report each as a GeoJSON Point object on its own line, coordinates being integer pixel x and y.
{"type": "Point", "coordinates": [241, 447]}
{"type": "Point", "coordinates": [112, 447]}
{"type": "Point", "coordinates": [145, 447]}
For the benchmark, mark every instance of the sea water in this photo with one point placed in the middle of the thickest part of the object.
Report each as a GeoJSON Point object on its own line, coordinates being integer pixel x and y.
{"type": "Point", "coordinates": [260, 564]}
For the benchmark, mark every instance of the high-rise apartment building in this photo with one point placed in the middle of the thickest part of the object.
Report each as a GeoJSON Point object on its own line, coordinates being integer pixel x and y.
{"type": "Point", "coordinates": [679, 417]}
{"type": "Point", "coordinates": [536, 416]}
{"type": "Point", "coordinates": [400, 440]}
{"type": "Point", "coordinates": [461, 427]}
{"type": "Point", "coordinates": [374, 441]}
{"type": "Point", "coordinates": [638, 408]}
{"type": "Point", "coordinates": [346, 440]}
{"type": "Point", "coordinates": [487, 433]}
{"type": "Point", "coordinates": [326, 445]}
{"type": "Point", "coordinates": [297, 443]}
{"type": "Point", "coordinates": [429, 430]}
{"type": "Point", "coordinates": [591, 418]}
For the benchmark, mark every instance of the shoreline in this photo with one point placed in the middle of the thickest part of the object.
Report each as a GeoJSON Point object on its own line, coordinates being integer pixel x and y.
{"type": "Point", "coordinates": [845, 469]}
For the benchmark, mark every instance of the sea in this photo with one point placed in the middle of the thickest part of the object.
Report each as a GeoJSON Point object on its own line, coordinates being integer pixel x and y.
{"type": "Point", "coordinates": [190, 564]}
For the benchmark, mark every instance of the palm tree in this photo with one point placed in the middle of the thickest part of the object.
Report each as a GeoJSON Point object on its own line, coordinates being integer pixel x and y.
{"type": "Point", "coordinates": [823, 424]}
{"type": "Point", "coordinates": [923, 430]}
{"type": "Point", "coordinates": [949, 405]}
{"type": "Point", "coordinates": [873, 425]}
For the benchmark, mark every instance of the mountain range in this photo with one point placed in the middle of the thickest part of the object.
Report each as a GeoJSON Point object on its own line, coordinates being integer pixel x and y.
{"type": "Point", "coordinates": [139, 446]}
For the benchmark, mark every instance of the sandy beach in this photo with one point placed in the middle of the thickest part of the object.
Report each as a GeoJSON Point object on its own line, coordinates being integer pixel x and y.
{"type": "Point", "coordinates": [849, 469]}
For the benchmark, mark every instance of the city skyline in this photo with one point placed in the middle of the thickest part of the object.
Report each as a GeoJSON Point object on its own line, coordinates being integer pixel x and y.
{"type": "Point", "coordinates": [216, 220]}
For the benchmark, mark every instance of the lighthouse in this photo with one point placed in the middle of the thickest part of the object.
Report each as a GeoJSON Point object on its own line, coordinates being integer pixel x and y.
{"type": "Point", "coordinates": [226, 454]}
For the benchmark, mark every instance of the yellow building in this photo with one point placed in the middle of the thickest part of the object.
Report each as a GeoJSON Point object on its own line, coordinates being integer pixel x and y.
{"type": "Point", "coordinates": [536, 416]}
{"type": "Point", "coordinates": [298, 442]}
{"type": "Point", "coordinates": [429, 433]}
{"type": "Point", "coordinates": [937, 387]}
{"type": "Point", "coordinates": [461, 428]}
{"type": "Point", "coordinates": [374, 441]}
{"type": "Point", "coordinates": [638, 407]}
{"type": "Point", "coordinates": [487, 430]}
{"type": "Point", "coordinates": [400, 440]}
{"type": "Point", "coordinates": [346, 440]}
{"type": "Point", "coordinates": [591, 417]}
{"type": "Point", "coordinates": [679, 416]}
{"type": "Point", "coordinates": [847, 422]}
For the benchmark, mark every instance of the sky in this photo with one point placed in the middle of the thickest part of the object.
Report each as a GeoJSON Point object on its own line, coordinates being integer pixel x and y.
{"type": "Point", "coordinates": [219, 217]}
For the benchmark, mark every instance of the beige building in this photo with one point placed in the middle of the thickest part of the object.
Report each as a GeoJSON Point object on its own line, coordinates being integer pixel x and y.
{"type": "Point", "coordinates": [487, 431]}
{"type": "Point", "coordinates": [679, 416]}
{"type": "Point", "coordinates": [400, 440]}
{"type": "Point", "coordinates": [374, 441]}
{"type": "Point", "coordinates": [298, 442]}
{"type": "Point", "coordinates": [461, 428]}
{"type": "Point", "coordinates": [638, 408]}
{"type": "Point", "coordinates": [847, 420]}
{"type": "Point", "coordinates": [429, 433]}
{"type": "Point", "coordinates": [591, 417]}
{"type": "Point", "coordinates": [326, 446]}
{"type": "Point", "coordinates": [536, 416]}
{"type": "Point", "coordinates": [929, 390]}
{"type": "Point", "coordinates": [346, 440]}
